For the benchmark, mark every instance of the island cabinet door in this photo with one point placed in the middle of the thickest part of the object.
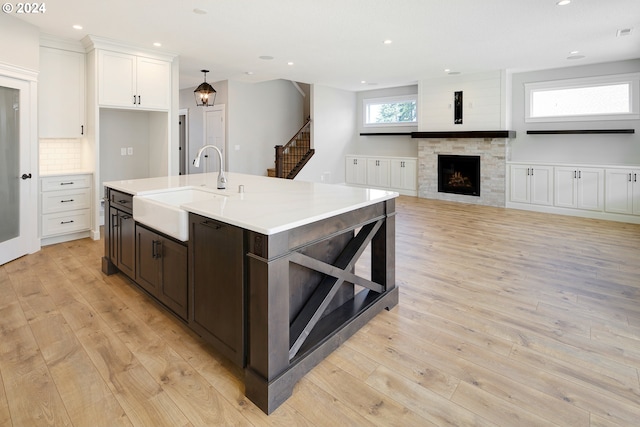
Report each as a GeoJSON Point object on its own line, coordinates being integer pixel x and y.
{"type": "Point", "coordinates": [216, 282]}
{"type": "Point", "coordinates": [162, 269]}
{"type": "Point", "coordinates": [122, 250]}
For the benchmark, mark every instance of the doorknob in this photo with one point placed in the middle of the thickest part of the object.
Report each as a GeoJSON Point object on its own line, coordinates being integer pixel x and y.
{"type": "Point", "coordinates": [26, 176]}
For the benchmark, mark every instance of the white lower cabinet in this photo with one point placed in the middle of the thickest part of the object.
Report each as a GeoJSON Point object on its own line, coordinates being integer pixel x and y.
{"type": "Point", "coordinates": [531, 184]}
{"type": "Point", "coordinates": [622, 191]}
{"type": "Point", "coordinates": [356, 170]}
{"type": "Point", "coordinates": [65, 202]}
{"type": "Point", "coordinates": [579, 187]}
{"type": "Point", "coordinates": [390, 173]}
{"type": "Point", "coordinates": [378, 172]}
{"type": "Point", "coordinates": [404, 174]}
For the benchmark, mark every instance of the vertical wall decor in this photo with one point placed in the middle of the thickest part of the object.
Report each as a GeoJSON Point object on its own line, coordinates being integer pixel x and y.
{"type": "Point", "coordinates": [457, 108]}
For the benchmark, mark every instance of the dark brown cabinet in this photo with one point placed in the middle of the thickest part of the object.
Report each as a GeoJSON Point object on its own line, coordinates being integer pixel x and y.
{"type": "Point", "coordinates": [217, 288]}
{"type": "Point", "coordinates": [121, 229]}
{"type": "Point", "coordinates": [161, 269]}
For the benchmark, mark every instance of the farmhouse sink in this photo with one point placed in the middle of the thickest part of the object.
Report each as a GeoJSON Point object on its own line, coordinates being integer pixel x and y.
{"type": "Point", "coordinates": [163, 212]}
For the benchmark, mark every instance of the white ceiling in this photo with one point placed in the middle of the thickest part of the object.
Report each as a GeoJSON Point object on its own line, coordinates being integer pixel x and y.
{"type": "Point", "coordinates": [339, 43]}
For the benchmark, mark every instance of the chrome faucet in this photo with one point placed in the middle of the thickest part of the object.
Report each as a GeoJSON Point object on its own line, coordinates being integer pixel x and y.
{"type": "Point", "coordinates": [222, 180]}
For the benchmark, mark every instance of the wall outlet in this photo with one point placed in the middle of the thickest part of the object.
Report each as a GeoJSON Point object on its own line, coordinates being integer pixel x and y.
{"type": "Point", "coordinates": [130, 151]}
{"type": "Point", "coordinates": [123, 151]}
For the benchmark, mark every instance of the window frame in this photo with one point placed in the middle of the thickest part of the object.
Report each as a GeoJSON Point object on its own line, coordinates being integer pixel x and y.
{"type": "Point", "coordinates": [388, 100]}
{"type": "Point", "coordinates": [632, 79]}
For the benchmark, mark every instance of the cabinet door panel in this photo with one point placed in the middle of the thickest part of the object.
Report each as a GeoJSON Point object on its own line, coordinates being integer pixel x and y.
{"type": "Point", "coordinates": [618, 189]}
{"type": "Point", "coordinates": [173, 274]}
{"type": "Point", "coordinates": [541, 185]}
{"type": "Point", "coordinates": [116, 79]}
{"type": "Point", "coordinates": [60, 94]}
{"type": "Point", "coordinates": [217, 286]}
{"type": "Point", "coordinates": [148, 250]}
{"type": "Point", "coordinates": [635, 191]}
{"type": "Point", "coordinates": [126, 244]}
{"type": "Point", "coordinates": [590, 189]}
{"type": "Point", "coordinates": [356, 170]}
{"type": "Point", "coordinates": [565, 187]}
{"type": "Point", "coordinates": [519, 183]}
{"type": "Point", "coordinates": [153, 84]}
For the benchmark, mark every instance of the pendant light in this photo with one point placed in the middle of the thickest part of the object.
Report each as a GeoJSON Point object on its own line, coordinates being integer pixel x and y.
{"type": "Point", "coordinates": [205, 93]}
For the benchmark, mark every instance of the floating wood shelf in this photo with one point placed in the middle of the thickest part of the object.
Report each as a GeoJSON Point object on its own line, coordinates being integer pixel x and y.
{"type": "Point", "coordinates": [580, 131]}
{"type": "Point", "coordinates": [385, 133]}
{"type": "Point", "coordinates": [466, 134]}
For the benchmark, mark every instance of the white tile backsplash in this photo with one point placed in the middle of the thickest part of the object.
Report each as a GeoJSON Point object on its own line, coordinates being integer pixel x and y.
{"type": "Point", "coordinates": [60, 155]}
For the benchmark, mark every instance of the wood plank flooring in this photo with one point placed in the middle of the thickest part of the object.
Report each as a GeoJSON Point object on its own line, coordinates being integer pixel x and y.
{"type": "Point", "coordinates": [506, 317]}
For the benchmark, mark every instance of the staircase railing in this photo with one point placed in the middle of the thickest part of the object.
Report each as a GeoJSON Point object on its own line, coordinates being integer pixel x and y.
{"type": "Point", "coordinates": [291, 157]}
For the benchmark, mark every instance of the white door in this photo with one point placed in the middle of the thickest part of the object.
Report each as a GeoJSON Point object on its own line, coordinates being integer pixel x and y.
{"type": "Point", "coordinates": [18, 197]}
{"type": "Point", "coordinates": [618, 193]}
{"type": "Point", "coordinates": [214, 135]}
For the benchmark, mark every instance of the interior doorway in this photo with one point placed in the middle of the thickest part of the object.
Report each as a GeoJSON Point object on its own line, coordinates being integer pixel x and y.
{"type": "Point", "coordinates": [183, 141]}
{"type": "Point", "coordinates": [214, 134]}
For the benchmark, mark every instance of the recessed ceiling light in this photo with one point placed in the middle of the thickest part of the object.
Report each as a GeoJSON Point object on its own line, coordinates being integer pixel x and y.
{"type": "Point", "coordinates": [363, 82]}
{"type": "Point", "coordinates": [77, 27]}
{"type": "Point", "coordinates": [563, 2]}
{"type": "Point", "coordinates": [249, 73]}
{"type": "Point", "coordinates": [156, 44]}
{"type": "Point", "coordinates": [388, 41]}
{"type": "Point", "coordinates": [446, 70]}
{"type": "Point", "coordinates": [199, 11]}
{"type": "Point", "coordinates": [289, 63]}
{"type": "Point", "coordinates": [266, 57]}
{"type": "Point", "coordinates": [574, 52]}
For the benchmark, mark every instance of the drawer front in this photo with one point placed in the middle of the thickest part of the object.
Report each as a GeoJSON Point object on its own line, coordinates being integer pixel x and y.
{"type": "Point", "coordinates": [61, 201]}
{"type": "Point", "coordinates": [66, 222]}
{"type": "Point", "coordinates": [121, 200]}
{"type": "Point", "coordinates": [65, 182]}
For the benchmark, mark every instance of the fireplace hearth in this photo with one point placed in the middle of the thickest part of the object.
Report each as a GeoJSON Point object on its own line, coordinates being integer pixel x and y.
{"type": "Point", "coordinates": [459, 174]}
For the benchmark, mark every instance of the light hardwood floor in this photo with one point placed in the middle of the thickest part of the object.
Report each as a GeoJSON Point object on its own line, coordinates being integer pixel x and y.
{"type": "Point", "coordinates": [506, 318]}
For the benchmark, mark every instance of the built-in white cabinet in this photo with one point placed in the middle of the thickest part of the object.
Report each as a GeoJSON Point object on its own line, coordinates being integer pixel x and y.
{"type": "Point", "coordinates": [404, 174]}
{"type": "Point", "coordinates": [131, 81]}
{"type": "Point", "coordinates": [378, 170]}
{"type": "Point", "coordinates": [579, 187]}
{"type": "Point", "coordinates": [61, 93]}
{"type": "Point", "coordinates": [531, 184]}
{"type": "Point", "coordinates": [356, 170]}
{"type": "Point", "coordinates": [622, 191]}
{"type": "Point", "coordinates": [393, 173]}
{"type": "Point", "coordinates": [65, 203]}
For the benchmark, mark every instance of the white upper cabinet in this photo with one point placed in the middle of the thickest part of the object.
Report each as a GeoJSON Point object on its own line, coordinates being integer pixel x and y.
{"type": "Point", "coordinates": [131, 81]}
{"type": "Point", "coordinates": [61, 94]}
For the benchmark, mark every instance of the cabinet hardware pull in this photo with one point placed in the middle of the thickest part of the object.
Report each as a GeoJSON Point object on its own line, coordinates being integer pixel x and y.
{"type": "Point", "coordinates": [156, 249]}
{"type": "Point", "coordinates": [81, 129]}
{"type": "Point", "coordinates": [531, 171]}
{"type": "Point", "coordinates": [575, 174]}
{"type": "Point", "coordinates": [629, 177]}
{"type": "Point", "coordinates": [67, 183]}
{"type": "Point", "coordinates": [139, 100]}
{"type": "Point", "coordinates": [66, 222]}
{"type": "Point", "coordinates": [134, 100]}
{"type": "Point", "coordinates": [123, 201]}
{"type": "Point", "coordinates": [211, 224]}
{"type": "Point", "coordinates": [579, 174]}
{"type": "Point", "coordinates": [66, 201]}
{"type": "Point", "coordinates": [635, 177]}
{"type": "Point", "coordinates": [126, 217]}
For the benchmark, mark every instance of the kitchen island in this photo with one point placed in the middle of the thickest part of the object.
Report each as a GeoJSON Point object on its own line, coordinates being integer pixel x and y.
{"type": "Point", "coordinates": [270, 276]}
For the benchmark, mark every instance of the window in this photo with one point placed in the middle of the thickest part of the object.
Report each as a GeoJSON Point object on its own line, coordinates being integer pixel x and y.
{"type": "Point", "coordinates": [391, 111]}
{"type": "Point", "coordinates": [593, 98]}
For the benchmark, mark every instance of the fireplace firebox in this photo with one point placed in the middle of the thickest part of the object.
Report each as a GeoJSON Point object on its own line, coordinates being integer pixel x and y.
{"type": "Point", "coordinates": [459, 174]}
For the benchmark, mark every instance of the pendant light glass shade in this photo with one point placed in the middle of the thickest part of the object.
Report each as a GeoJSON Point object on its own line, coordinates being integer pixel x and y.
{"type": "Point", "coordinates": [205, 93]}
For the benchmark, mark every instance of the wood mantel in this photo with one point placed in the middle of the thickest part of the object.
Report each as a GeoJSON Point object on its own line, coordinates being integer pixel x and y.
{"type": "Point", "coordinates": [465, 134]}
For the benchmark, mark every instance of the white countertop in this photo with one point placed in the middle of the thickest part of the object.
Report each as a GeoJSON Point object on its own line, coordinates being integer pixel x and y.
{"type": "Point", "coordinates": [268, 205]}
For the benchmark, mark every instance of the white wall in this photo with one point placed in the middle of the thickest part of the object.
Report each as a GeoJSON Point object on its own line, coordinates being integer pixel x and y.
{"type": "Point", "coordinates": [403, 146]}
{"type": "Point", "coordinates": [259, 117]}
{"type": "Point", "coordinates": [589, 149]}
{"type": "Point", "coordinates": [333, 112]}
{"type": "Point", "coordinates": [19, 43]}
{"type": "Point", "coordinates": [485, 102]}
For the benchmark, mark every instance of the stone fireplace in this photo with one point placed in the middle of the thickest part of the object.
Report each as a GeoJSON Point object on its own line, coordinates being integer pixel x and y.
{"type": "Point", "coordinates": [459, 174]}
{"type": "Point", "coordinates": [491, 153]}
